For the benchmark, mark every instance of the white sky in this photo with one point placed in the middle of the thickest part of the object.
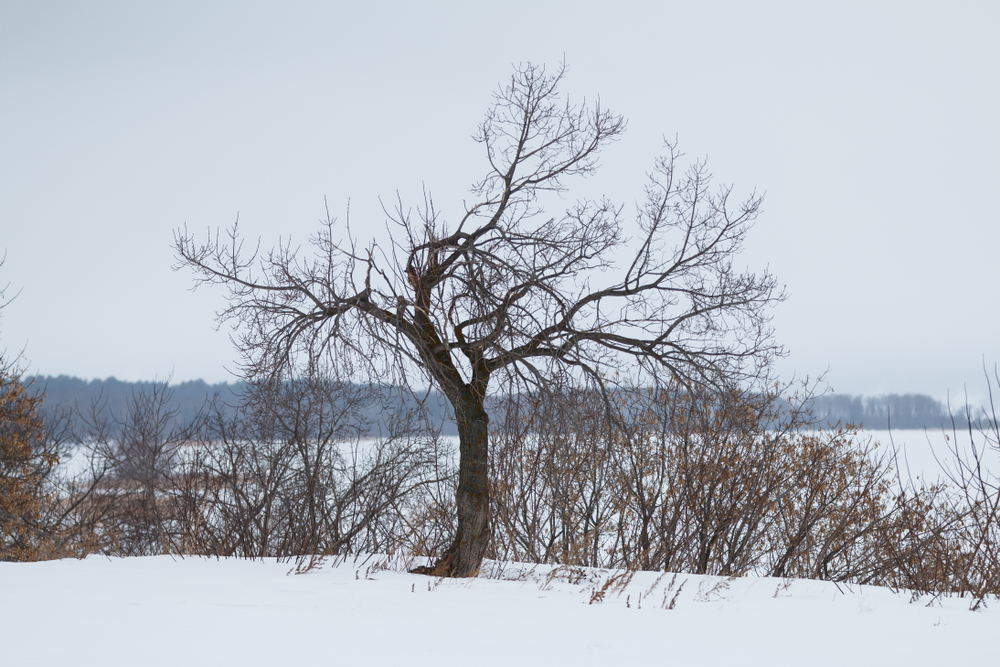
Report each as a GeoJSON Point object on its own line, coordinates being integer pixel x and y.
{"type": "Point", "coordinates": [872, 127]}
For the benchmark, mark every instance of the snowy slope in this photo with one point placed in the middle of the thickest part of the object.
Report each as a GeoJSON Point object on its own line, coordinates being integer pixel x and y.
{"type": "Point", "coordinates": [198, 611]}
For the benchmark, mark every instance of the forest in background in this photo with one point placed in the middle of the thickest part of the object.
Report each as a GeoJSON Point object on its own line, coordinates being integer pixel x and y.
{"type": "Point", "coordinates": [64, 393]}
{"type": "Point", "coordinates": [896, 411]}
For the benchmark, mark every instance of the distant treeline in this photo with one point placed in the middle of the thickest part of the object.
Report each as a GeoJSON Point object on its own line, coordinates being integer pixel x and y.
{"type": "Point", "coordinates": [898, 411]}
{"type": "Point", "coordinates": [188, 398]}
{"type": "Point", "coordinates": [64, 394]}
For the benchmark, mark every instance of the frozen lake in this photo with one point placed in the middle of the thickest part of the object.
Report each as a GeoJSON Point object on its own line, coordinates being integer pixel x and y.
{"type": "Point", "coordinates": [923, 451]}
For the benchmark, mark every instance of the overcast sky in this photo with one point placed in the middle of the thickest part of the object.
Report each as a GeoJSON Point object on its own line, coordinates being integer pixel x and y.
{"type": "Point", "coordinates": [873, 128]}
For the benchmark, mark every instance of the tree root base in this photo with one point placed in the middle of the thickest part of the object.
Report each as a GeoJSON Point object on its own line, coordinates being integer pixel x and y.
{"type": "Point", "coordinates": [446, 567]}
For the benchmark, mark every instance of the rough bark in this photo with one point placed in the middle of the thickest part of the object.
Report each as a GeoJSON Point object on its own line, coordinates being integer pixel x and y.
{"type": "Point", "coordinates": [465, 555]}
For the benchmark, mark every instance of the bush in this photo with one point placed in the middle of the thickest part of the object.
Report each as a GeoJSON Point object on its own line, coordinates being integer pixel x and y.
{"type": "Point", "coordinates": [26, 460]}
{"type": "Point", "coordinates": [292, 471]}
{"type": "Point", "coordinates": [669, 479]}
{"type": "Point", "coordinates": [710, 483]}
{"type": "Point", "coordinates": [731, 484]}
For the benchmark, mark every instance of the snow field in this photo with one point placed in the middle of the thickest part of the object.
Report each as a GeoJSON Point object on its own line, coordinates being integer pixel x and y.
{"type": "Point", "coordinates": [206, 611]}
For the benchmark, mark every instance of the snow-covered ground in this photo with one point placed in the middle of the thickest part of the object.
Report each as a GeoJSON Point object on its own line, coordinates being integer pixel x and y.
{"type": "Point", "coordinates": [201, 611]}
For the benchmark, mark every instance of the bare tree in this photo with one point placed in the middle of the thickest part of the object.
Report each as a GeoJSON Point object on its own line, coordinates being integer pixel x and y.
{"type": "Point", "coordinates": [134, 455]}
{"type": "Point", "coordinates": [511, 297]}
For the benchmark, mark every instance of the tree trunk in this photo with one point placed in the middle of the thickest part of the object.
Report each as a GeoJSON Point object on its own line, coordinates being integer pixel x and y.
{"type": "Point", "coordinates": [465, 555]}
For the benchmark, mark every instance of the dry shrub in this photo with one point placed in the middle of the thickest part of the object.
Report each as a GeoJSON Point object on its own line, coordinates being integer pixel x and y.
{"type": "Point", "coordinates": [292, 472]}
{"type": "Point", "coordinates": [551, 495]}
{"type": "Point", "coordinates": [951, 543]}
{"type": "Point", "coordinates": [731, 483]}
{"type": "Point", "coordinates": [24, 465]}
{"type": "Point", "coordinates": [34, 516]}
{"type": "Point", "coordinates": [126, 492]}
{"type": "Point", "coordinates": [667, 479]}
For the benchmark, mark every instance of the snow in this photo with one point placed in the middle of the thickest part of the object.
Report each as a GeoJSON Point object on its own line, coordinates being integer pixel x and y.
{"type": "Point", "coordinates": [201, 611]}
{"type": "Point", "coordinates": [922, 452]}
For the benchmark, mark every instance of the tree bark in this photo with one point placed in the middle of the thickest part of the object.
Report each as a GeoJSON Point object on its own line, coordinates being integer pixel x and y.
{"type": "Point", "coordinates": [465, 555]}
